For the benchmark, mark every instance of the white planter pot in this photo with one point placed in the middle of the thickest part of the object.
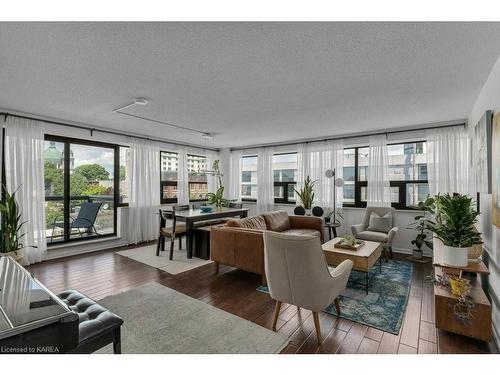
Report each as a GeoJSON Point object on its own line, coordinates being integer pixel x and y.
{"type": "Point", "coordinates": [455, 256]}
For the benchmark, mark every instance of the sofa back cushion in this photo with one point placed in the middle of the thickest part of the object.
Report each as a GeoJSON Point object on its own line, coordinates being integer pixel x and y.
{"type": "Point", "coordinates": [277, 221]}
{"type": "Point", "coordinates": [256, 222]}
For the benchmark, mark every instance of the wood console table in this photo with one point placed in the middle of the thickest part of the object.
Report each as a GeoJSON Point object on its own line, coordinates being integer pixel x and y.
{"type": "Point", "coordinates": [480, 323]}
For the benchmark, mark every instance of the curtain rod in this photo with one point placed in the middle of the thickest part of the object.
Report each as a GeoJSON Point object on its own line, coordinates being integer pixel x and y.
{"type": "Point", "coordinates": [352, 135]}
{"type": "Point", "coordinates": [92, 130]}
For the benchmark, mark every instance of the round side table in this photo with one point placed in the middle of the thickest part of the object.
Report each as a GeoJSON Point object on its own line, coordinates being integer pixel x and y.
{"type": "Point", "coordinates": [332, 228]}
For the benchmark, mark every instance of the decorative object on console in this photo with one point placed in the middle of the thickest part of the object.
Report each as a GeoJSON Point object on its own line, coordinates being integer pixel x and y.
{"type": "Point", "coordinates": [318, 211]}
{"type": "Point", "coordinates": [455, 217]}
{"type": "Point", "coordinates": [10, 227]}
{"type": "Point", "coordinates": [496, 171]}
{"type": "Point", "coordinates": [306, 194]}
{"type": "Point", "coordinates": [299, 210]}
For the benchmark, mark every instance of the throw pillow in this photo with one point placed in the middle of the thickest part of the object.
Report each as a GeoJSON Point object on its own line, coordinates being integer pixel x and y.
{"type": "Point", "coordinates": [380, 224]}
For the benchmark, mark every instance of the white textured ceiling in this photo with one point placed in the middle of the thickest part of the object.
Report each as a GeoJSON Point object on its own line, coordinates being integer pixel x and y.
{"type": "Point", "coordinates": [250, 83]}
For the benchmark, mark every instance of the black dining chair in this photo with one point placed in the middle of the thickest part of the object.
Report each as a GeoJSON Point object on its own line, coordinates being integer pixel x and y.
{"type": "Point", "coordinates": [172, 232]}
{"type": "Point", "coordinates": [235, 205]}
{"type": "Point", "coordinates": [299, 210]}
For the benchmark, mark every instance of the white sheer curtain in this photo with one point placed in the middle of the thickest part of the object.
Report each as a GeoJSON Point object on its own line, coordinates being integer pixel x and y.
{"type": "Point", "coordinates": [182, 179]}
{"type": "Point", "coordinates": [379, 194]}
{"type": "Point", "coordinates": [144, 199]}
{"type": "Point", "coordinates": [265, 180]}
{"type": "Point", "coordinates": [448, 161]}
{"type": "Point", "coordinates": [24, 170]}
{"type": "Point", "coordinates": [234, 191]}
{"type": "Point", "coordinates": [314, 160]}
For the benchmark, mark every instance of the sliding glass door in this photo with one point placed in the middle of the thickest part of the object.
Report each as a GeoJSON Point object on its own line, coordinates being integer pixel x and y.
{"type": "Point", "coordinates": [81, 180]}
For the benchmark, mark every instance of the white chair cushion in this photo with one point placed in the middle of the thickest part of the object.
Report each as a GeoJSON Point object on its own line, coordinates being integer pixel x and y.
{"type": "Point", "coordinates": [372, 236]}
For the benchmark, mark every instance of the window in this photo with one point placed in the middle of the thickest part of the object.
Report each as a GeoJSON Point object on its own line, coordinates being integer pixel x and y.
{"type": "Point", "coordinates": [249, 178]}
{"type": "Point", "coordinates": [198, 188]}
{"type": "Point", "coordinates": [77, 172]}
{"type": "Point", "coordinates": [407, 171]}
{"type": "Point", "coordinates": [168, 176]}
{"type": "Point", "coordinates": [285, 177]}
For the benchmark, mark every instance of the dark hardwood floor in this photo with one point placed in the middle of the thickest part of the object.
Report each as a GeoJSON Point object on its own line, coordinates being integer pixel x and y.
{"type": "Point", "coordinates": [105, 273]}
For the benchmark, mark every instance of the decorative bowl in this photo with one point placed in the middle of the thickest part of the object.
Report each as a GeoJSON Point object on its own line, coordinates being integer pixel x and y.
{"type": "Point", "coordinates": [206, 208]}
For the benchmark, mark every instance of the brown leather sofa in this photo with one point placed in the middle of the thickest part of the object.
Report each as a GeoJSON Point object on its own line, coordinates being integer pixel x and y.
{"type": "Point", "coordinates": [240, 243]}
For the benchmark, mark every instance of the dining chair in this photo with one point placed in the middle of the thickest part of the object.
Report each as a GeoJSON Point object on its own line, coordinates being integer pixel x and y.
{"type": "Point", "coordinates": [297, 273]}
{"type": "Point", "coordinates": [171, 232]}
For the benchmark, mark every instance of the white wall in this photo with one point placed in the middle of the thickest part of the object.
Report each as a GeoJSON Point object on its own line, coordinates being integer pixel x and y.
{"type": "Point", "coordinates": [489, 99]}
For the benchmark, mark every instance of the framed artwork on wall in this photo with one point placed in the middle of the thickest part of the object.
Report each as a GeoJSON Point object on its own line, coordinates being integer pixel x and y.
{"type": "Point", "coordinates": [482, 155]}
{"type": "Point", "coordinates": [496, 171]}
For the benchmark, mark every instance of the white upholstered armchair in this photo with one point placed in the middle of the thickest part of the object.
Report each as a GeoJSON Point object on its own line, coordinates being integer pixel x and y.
{"type": "Point", "coordinates": [381, 230]}
{"type": "Point", "coordinates": [297, 273]}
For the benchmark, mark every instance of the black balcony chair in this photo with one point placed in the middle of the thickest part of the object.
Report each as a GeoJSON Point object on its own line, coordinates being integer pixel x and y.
{"type": "Point", "coordinates": [84, 222]}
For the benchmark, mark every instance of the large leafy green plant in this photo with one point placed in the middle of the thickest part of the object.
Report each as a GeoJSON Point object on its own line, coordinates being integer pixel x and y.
{"type": "Point", "coordinates": [455, 217]}
{"type": "Point", "coordinates": [306, 194]}
{"type": "Point", "coordinates": [422, 223]}
{"type": "Point", "coordinates": [11, 224]}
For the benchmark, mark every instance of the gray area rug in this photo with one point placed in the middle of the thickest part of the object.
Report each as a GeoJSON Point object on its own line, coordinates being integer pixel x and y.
{"type": "Point", "coordinates": [180, 263]}
{"type": "Point", "coordinates": [161, 320]}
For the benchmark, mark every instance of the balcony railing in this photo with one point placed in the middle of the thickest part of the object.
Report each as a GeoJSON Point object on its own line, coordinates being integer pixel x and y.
{"type": "Point", "coordinates": [54, 216]}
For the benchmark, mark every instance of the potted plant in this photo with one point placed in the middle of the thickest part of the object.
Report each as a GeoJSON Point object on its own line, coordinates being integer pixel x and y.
{"type": "Point", "coordinates": [455, 217]}
{"type": "Point", "coordinates": [306, 194]}
{"type": "Point", "coordinates": [217, 199]}
{"type": "Point", "coordinates": [10, 227]}
{"type": "Point", "coordinates": [421, 225]}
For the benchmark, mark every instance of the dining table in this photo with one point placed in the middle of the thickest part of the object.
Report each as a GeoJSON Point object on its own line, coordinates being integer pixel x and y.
{"type": "Point", "coordinates": [196, 215]}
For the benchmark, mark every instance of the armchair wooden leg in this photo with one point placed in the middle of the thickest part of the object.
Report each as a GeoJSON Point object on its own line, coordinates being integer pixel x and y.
{"type": "Point", "coordinates": [263, 280]}
{"type": "Point", "coordinates": [390, 250]}
{"type": "Point", "coordinates": [317, 326]}
{"type": "Point", "coordinates": [216, 267]}
{"type": "Point", "coordinates": [276, 314]}
{"type": "Point", "coordinates": [337, 305]}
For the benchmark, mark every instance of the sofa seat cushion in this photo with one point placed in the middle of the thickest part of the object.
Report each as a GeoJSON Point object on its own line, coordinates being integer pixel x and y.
{"type": "Point", "coordinates": [303, 232]}
{"type": "Point", "coordinates": [277, 221]}
{"type": "Point", "coordinates": [368, 235]}
{"type": "Point", "coordinates": [94, 319]}
{"type": "Point", "coordinates": [256, 222]}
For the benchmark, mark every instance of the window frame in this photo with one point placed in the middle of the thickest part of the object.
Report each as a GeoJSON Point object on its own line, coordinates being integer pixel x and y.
{"type": "Point", "coordinates": [66, 178]}
{"type": "Point", "coordinates": [401, 184]}
{"type": "Point", "coordinates": [168, 183]}
{"type": "Point", "coordinates": [284, 198]}
{"type": "Point", "coordinates": [196, 182]}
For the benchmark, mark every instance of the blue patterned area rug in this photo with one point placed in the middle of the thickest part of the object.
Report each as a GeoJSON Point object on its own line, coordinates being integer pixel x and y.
{"type": "Point", "coordinates": [385, 305]}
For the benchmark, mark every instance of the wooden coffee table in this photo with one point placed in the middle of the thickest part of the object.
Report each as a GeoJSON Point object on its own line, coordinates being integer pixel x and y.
{"type": "Point", "coordinates": [364, 258]}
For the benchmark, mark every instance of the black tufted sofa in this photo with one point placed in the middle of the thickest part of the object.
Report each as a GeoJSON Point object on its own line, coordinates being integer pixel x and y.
{"type": "Point", "coordinates": [98, 326]}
